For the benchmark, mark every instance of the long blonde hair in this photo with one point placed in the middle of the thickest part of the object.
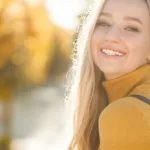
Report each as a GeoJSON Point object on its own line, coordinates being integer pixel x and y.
{"type": "Point", "coordinates": [86, 92]}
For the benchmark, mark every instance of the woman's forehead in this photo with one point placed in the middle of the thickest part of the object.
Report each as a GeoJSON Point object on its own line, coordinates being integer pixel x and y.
{"type": "Point", "coordinates": [134, 4]}
{"type": "Point", "coordinates": [135, 8]}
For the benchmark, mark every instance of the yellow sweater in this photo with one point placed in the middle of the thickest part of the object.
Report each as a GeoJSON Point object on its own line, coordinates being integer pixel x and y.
{"type": "Point", "coordinates": [125, 123]}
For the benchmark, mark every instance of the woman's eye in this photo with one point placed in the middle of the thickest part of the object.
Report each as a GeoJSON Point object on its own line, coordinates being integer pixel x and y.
{"type": "Point", "coordinates": [132, 29]}
{"type": "Point", "coordinates": [102, 24]}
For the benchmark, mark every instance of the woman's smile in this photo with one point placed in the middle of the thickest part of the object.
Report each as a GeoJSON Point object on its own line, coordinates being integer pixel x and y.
{"type": "Point", "coordinates": [111, 52]}
{"type": "Point", "coordinates": [120, 41]}
{"type": "Point", "coordinates": [107, 56]}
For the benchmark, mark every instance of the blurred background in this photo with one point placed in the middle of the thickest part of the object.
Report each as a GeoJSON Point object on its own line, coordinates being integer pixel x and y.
{"type": "Point", "coordinates": [36, 41]}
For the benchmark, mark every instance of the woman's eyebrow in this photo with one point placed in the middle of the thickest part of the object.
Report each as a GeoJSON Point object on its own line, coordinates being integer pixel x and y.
{"type": "Point", "coordinates": [134, 19]}
{"type": "Point", "coordinates": [128, 18]}
{"type": "Point", "coordinates": [105, 14]}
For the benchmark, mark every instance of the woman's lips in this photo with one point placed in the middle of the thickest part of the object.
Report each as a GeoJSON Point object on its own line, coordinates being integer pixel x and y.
{"type": "Point", "coordinates": [116, 50]}
{"type": "Point", "coordinates": [111, 56]}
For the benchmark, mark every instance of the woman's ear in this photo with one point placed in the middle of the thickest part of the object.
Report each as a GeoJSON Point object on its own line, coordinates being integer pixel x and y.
{"type": "Point", "coordinates": [148, 58]}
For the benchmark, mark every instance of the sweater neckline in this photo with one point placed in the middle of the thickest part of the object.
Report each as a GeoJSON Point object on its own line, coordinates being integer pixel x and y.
{"type": "Point", "coordinates": [122, 86]}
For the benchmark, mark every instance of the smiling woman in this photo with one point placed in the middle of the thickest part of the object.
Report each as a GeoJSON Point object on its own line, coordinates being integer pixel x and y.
{"type": "Point", "coordinates": [121, 32]}
{"type": "Point", "coordinates": [110, 78]}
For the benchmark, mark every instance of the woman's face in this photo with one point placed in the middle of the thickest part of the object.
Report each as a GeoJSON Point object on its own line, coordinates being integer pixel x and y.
{"type": "Point", "coordinates": [121, 39]}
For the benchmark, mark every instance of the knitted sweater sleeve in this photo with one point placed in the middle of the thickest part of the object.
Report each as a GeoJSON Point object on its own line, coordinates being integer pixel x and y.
{"type": "Point", "coordinates": [125, 125]}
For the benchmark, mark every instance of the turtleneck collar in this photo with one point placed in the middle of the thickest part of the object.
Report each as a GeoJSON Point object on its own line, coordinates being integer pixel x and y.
{"type": "Point", "coordinates": [123, 86]}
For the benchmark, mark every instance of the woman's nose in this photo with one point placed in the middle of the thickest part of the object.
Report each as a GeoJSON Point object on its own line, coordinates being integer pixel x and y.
{"type": "Point", "coordinates": [113, 35]}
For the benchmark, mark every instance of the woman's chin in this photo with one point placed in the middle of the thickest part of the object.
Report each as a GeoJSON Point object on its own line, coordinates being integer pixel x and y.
{"type": "Point", "coordinates": [111, 68]}
{"type": "Point", "coordinates": [112, 73]}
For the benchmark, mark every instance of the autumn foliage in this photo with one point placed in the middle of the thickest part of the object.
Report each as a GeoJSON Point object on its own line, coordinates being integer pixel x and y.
{"type": "Point", "coordinates": [32, 48]}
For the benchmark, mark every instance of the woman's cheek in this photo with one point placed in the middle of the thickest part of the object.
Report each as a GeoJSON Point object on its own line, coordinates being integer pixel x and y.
{"type": "Point", "coordinates": [98, 36]}
{"type": "Point", "coordinates": [95, 38]}
{"type": "Point", "coordinates": [134, 40]}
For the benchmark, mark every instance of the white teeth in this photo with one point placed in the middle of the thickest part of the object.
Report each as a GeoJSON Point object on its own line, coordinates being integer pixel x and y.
{"type": "Point", "coordinates": [111, 52]}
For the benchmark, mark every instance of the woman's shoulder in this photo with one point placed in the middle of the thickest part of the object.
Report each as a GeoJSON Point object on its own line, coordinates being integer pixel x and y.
{"type": "Point", "coordinates": [126, 107]}
{"type": "Point", "coordinates": [142, 89]}
{"type": "Point", "coordinates": [125, 122]}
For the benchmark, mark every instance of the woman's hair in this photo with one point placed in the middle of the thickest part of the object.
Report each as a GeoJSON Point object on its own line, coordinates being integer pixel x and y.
{"type": "Point", "coordinates": [86, 93]}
